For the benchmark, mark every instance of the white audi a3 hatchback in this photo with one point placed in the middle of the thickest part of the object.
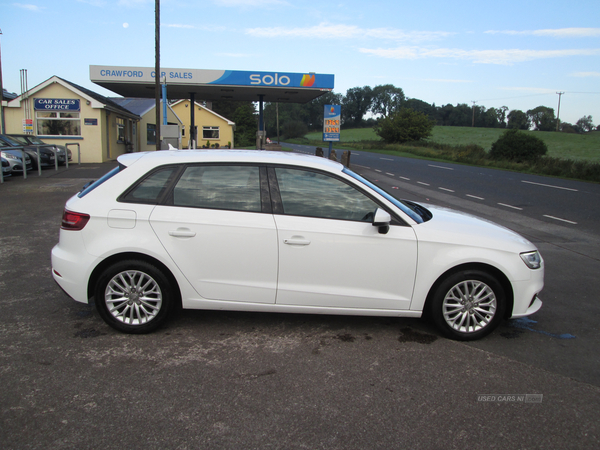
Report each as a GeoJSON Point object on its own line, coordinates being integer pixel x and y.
{"type": "Point", "coordinates": [282, 232]}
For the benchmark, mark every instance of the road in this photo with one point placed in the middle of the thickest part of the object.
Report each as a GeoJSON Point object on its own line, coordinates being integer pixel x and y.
{"type": "Point", "coordinates": [550, 200]}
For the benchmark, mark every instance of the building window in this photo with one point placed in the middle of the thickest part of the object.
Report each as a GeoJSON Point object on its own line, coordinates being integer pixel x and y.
{"type": "Point", "coordinates": [57, 123]}
{"type": "Point", "coordinates": [151, 134]}
{"type": "Point", "coordinates": [120, 130]}
{"type": "Point", "coordinates": [210, 132]}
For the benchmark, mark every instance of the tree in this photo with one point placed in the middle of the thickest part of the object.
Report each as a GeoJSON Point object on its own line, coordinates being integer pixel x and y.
{"type": "Point", "coordinates": [517, 119]}
{"type": "Point", "coordinates": [387, 99]}
{"type": "Point", "coordinates": [515, 145]}
{"type": "Point", "coordinates": [294, 129]}
{"type": "Point", "coordinates": [419, 105]}
{"type": "Point", "coordinates": [404, 126]}
{"type": "Point", "coordinates": [585, 124]}
{"type": "Point", "coordinates": [355, 105]}
{"type": "Point", "coordinates": [542, 118]}
{"type": "Point", "coordinates": [246, 124]}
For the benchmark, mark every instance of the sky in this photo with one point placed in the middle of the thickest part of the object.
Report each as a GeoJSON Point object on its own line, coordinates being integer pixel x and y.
{"type": "Point", "coordinates": [518, 54]}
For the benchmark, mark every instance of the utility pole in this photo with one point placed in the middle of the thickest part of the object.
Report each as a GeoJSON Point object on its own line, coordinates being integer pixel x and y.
{"type": "Point", "coordinates": [157, 88]}
{"type": "Point", "coordinates": [1, 96]}
{"type": "Point", "coordinates": [473, 120]}
{"type": "Point", "coordinates": [558, 112]}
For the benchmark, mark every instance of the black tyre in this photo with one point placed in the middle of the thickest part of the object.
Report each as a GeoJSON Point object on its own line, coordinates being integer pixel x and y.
{"type": "Point", "coordinates": [134, 296]}
{"type": "Point", "coordinates": [468, 305]}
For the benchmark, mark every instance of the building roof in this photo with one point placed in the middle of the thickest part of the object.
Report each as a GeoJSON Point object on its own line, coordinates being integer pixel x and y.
{"type": "Point", "coordinates": [8, 95]}
{"type": "Point", "coordinates": [96, 100]}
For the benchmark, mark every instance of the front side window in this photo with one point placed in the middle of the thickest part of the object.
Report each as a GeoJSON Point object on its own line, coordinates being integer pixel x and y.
{"type": "Point", "coordinates": [312, 194]}
{"type": "Point", "coordinates": [234, 188]}
{"type": "Point", "coordinates": [57, 123]}
{"type": "Point", "coordinates": [210, 132]}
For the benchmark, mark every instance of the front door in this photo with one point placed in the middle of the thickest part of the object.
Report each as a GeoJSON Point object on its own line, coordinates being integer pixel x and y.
{"type": "Point", "coordinates": [330, 254]}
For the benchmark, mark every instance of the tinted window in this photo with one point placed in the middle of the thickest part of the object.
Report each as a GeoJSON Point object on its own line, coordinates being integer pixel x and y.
{"type": "Point", "coordinates": [219, 187]}
{"type": "Point", "coordinates": [150, 188]}
{"type": "Point", "coordinates": [305, 193]}
{"type": "Point", "coordinates": [93, 185]}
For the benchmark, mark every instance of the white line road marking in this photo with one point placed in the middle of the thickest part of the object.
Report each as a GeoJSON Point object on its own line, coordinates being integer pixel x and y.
{"type": "Point", "coordinates": [404, 178]}
{"type": "Point", "coordinates": [377, 170]}
{"type": "Point", "coordinates": [424, 184]}
{"type": "Point", "coordinates": [440, 167]}
{"type": "Point", "coordinates": [390, 174]}
{"type": "Point", "coordinates": [387, 159]}
{"type": "Point", "coordinates": [550, 186]}
{"type": "Point", "coordinates": [474, 196]}
{"type": "Point", "coordinates": [510, 206]}
{"type": "Point", "coordinates": [444, 189]}
{"type": "Point", "coordinates": [562, 220]}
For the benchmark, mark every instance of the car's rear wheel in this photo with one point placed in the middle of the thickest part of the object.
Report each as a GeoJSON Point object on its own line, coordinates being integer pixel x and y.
{"type": "Point", "coordinates": [468, 305]}
{"type": "Point", "coordinates": [134, 296]}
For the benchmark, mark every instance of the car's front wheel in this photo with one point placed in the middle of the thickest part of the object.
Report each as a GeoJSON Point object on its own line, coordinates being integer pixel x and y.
{"type": "Point", "coordinates": [468, 305]}
{"type": "Point", "coordinates": [134, 296]}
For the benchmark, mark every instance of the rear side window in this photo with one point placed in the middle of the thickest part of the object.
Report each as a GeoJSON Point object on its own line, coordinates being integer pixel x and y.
{"type": "Point", "coordinates": [151, 188]}
{"type": "Point", "coordinates": [235, 188]}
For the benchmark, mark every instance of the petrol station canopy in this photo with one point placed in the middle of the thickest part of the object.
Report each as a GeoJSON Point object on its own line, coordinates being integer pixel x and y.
{"type": "Point", "coordinates": [214, 85]}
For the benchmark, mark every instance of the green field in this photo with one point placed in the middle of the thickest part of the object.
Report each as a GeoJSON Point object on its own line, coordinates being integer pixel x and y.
{"type": "Point", "coordinates": [583, 147]}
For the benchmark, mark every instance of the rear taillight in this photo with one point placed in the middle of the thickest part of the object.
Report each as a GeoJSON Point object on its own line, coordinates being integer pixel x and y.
{"type": "Point", "coordinates": [74, 221]}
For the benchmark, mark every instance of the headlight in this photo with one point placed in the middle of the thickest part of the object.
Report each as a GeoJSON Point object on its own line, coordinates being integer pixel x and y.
{"type": "Point", "coordinates": [11, 156]}
{"type": "Point", "coordinates": [532, 259]}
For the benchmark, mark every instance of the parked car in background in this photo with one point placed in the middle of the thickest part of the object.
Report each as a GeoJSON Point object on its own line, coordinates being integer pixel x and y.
{"type": "Point", "coordinates": [30, 140]}
{"type": "Point", "coordinates": [5, 168]}
{"type": "Point", "coordinates": [283, 232]}
{"type": "Point", "coordinates": [14, 156]}
{"type": "Point", "coordinates": [46, 154]}
{"type": "Point", "coordinates": [61, 150]}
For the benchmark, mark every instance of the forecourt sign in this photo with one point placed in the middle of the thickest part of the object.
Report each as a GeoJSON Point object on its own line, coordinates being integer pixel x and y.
{"type": "Point", "coordinates": [214, 84]}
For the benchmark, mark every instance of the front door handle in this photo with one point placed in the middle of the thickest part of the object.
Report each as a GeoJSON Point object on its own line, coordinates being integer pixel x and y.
{"type": "Point", "coordinates": [296, 240]}
{"type": "Point", "coordinates": [182, 232]}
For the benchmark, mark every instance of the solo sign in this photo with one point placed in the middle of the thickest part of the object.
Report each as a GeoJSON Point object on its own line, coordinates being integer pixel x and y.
{"type": "Point", "coordinates": [56, 104]}
{"type": "Point", "coordinates": [331, 123]}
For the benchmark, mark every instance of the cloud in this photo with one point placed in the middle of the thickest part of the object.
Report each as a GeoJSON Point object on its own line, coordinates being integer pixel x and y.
{"type": "Point", "coordinates": [33, 8]}
{"type": "Point", "coordinates": [177, 25]}
{"type": "Point", "coordinates": [250, 3]}
{"type": "Point", "coordinates": [585, 74]}
{"type": "Point", "coordinates": [557, 33]}
{"type": "Point", "coordinates": [502, 57]}
{"type": "Point", "coordinates": [329, 31]}
{"type": "Point", "coordinates": [438, 80]}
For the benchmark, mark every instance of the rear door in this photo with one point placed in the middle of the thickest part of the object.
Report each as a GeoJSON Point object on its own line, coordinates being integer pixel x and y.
{"type": "Point", "coordinates": [216, 232]}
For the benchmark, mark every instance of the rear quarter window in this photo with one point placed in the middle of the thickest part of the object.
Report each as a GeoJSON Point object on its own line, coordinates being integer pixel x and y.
{"type": "Point", "coordinates": [150, 188]}
{"type": "Point", "coordinates": [93, 185]}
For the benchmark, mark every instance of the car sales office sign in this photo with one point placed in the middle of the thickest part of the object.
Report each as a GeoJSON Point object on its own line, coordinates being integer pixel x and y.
{"type": "Point", "coordinates": [56, 104]}
{"type": "Point", "coordinates": [331, 123]}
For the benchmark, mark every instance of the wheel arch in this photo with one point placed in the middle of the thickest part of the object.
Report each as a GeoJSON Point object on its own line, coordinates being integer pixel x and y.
{"type": "Point", "coordinates": [100, 268]}
{"type": "Point", "coordinates": [491, 270]}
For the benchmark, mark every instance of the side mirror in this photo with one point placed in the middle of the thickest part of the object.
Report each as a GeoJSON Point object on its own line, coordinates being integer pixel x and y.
{"type": "Point", "coordinates": [382, 220]}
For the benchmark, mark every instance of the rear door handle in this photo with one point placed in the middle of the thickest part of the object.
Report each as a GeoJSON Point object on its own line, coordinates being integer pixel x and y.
{"type": "Point", "coordinates": [182, 232]}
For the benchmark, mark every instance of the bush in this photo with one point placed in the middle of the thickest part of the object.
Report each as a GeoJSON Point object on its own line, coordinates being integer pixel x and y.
{"type": "Point", "coordinates": [404, 126]}
{"type": "Point", "coordinates": [517, 146]}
